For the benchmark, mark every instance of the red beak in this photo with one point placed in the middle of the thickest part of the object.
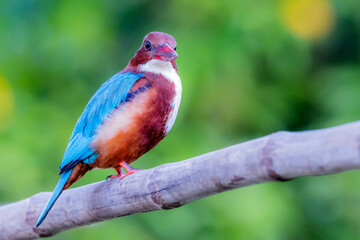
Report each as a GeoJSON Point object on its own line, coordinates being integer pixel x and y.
{"type": "Point", "coordinates": [164, 53]}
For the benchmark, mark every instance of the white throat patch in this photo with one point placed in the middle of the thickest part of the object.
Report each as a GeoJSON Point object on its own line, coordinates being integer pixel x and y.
{"type": "Point", "coordinates": [166, 69]}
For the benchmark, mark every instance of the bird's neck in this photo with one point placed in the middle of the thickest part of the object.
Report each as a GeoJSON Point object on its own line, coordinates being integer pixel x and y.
{"type": "Point", "coordinates": [137, 65]}
{"type": "Point", "coordinates": [164, 68]}
{"type": "Point", "coordinates": [158, 67]}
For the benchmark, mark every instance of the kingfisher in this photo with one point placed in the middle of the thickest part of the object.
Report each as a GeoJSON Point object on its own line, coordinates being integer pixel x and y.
{"type": "Point", "coordinates": [126, 117]}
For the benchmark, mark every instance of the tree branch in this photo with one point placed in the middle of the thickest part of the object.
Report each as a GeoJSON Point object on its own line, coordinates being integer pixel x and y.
{"type": "Point", "coordinates": [279, 156]}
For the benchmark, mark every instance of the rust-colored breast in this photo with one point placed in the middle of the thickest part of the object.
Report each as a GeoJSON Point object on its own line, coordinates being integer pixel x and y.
{"type": "Point", "coordinates": [137, 125]}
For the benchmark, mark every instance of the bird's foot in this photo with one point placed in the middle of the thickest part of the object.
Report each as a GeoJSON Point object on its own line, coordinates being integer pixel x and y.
{"type": "Point", "coordinates": [112, 176]}
{"type": "Point", "coordinates": [129, 169]}
{"type": "Point", "coordinates": [121, 173]}
{"type": "Point", "coordinates": [130, 172]}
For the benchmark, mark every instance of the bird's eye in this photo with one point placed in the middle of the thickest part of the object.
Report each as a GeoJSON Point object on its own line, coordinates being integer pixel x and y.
{"type": "Point", "coordinates": [175, 49]}
{"type": "Point", "coordinates": [147, 45]}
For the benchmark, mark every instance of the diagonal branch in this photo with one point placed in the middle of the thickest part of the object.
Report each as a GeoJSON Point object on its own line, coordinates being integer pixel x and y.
{"type": "Point", "coordinates": [280, 156]}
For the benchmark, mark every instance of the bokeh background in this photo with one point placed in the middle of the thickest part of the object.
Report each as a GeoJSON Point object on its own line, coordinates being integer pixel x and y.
{"type": "Point", "coordinates": [248, 68]}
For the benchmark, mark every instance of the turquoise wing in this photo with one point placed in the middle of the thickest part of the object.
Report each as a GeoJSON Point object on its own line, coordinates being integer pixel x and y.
{"type": "Point", "coordinates": [105, 100]}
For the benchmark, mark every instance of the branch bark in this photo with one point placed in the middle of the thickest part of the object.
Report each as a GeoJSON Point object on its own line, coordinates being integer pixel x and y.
{"type": "Point", "coordinates": [280, 156]}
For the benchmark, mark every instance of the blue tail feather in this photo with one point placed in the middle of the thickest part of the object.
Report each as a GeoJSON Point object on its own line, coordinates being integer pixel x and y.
{"type": "Point", "coordinates": [55, 195]}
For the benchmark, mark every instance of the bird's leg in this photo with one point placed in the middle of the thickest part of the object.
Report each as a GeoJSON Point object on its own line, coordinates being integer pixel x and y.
{"type": "Point", "coordinates": [121, 174]}
{"type": "Point", "coordinates": [129, 169]}
{"type": "Point", "coordinates": [119, 171]}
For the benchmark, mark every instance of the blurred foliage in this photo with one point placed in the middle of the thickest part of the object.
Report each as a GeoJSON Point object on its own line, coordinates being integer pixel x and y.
{"type": "Point", "coordinates": [6, 104]}
{"type": "Point", "coordinates": [309, 19]}
{"type": "Point", "coordinates": [249, 68]}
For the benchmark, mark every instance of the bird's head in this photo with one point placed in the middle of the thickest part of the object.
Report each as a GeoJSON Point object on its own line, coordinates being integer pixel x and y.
{"type": "Point", "coordinates": [155, 46]}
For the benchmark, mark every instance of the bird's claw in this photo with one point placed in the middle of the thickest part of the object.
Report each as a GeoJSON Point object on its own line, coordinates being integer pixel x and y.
{"type": "Point", "coordinates": [122, 174]}
{"type": "Point", "coordinates": [130, 172]}
{"type": "Point", "coordinates": [112, 177]}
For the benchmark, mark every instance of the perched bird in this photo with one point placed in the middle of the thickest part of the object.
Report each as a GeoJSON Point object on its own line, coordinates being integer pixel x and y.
{"type": "Point", "coordinates": [127, 116]}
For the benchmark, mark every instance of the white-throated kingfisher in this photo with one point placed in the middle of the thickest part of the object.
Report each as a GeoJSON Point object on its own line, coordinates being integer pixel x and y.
{"type": "Point", "coordinates": [127, 116]}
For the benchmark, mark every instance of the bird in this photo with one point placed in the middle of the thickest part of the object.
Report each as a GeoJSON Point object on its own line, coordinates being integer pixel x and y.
{"type": "Point", "coordinates": [126, 117]}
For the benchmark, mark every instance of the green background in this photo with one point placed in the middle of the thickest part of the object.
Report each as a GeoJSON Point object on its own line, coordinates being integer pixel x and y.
{"type": "Point", "coordinates": [247, 69]}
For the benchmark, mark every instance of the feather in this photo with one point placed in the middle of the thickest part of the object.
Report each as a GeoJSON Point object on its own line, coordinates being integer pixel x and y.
{"type": "Point", "coordinates": [55, 195]}
{"type": "Point", "coordinates": [105, 100]}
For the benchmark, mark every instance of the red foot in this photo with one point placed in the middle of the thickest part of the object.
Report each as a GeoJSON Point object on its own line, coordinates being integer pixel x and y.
{"type": "Point", "coordinates": [130, 172]}
{"type": "Point", "coordinates": [121, 174]}
{"type": "Point", "coordinates": [113, 176]}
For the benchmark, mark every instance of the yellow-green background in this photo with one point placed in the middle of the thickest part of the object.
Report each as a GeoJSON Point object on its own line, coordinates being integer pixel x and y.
{"type": "Point", "coordinates": [248, 68]}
